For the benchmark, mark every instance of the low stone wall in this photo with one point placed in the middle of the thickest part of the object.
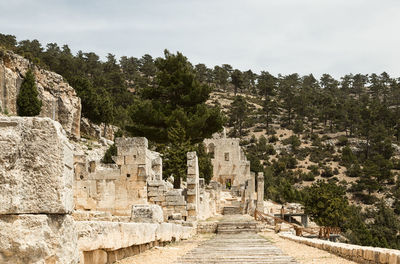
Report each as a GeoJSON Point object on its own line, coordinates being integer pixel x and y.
{"type": "Point", "coordinates": [207, 227]}
{"type": "Point", "coordinates": [355, 253]}
{"type": "Point", "coordinates": [101, 242]}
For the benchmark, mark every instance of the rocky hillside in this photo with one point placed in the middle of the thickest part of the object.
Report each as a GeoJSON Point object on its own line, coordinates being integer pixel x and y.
{"type": "Point", "coordinates": [314, 156]}
{"type": "Point", "coordinates": [59, 99]}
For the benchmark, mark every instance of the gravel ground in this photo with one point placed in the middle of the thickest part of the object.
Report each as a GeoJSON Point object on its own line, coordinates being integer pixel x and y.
{"type": "Point", "coordinates": [304, 254]}
{"type": "Point", "coordinates": [168, 254]}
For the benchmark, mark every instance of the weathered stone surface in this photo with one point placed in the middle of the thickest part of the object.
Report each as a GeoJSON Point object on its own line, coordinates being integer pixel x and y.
{"type": "Point", "coordinates": [356, 253]}
{"type": "Point", "coordinates": [147, 213]}
{"type": "Point", "coordinates": [93, 235]}
{"type": "Point", "coordinates": [39, 239]}
{"type": "Point", "coordinates": [99, 132]}
{"type": "Point", "coordinates": [36, 167]}
{"type": "Point", "coordinates": [60, 101]}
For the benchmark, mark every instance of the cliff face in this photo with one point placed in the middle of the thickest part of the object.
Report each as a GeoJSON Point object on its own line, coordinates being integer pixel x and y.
{"type": "Point", "coordinates": [60, 101]}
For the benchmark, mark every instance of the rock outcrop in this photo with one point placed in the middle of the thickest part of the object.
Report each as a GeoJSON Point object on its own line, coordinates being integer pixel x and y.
{"type": "Point", "coordinates": [60, 101]}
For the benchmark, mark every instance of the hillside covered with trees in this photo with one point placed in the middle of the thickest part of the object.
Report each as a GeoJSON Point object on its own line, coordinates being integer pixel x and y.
{"type": "Point", "coordinates": [330, 144]}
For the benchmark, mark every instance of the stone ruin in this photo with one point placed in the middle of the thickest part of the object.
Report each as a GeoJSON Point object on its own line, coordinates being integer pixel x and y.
{"type": "Point", "coordinates": [57, 207]}
{"type": "Point", "coordinates": [231, 168]}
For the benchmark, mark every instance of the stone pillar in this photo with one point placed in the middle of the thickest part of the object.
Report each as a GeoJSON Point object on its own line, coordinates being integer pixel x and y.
{"type": "Point", "coordinates": [36, 197]}
{"type": "Point", "coordinates": [304, 220]}
{"type": "Point", "coordinates": [193, 198]}
{"type": "Point", "coordinates": [260, 192]}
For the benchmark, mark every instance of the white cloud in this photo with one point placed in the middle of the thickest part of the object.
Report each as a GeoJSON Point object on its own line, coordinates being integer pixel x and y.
{"type": "Point", "coordinates": [305, 36]}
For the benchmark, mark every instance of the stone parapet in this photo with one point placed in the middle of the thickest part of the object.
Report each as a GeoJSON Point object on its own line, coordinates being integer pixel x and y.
{"type": "Point", "coordinates": [360, 254]}
{"type": "Point", "coordinates": [100, 241]}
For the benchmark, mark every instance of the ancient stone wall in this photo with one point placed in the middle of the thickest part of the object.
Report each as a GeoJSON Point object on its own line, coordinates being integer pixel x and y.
{"type": "Point", "coordinates": [231, 167]}
{"type": "Point", "coordinates": [116, 188]}
{"type": "Point", "coordinates": [359, 254]}
{"type": "Point", "coordinates": [106, 242]}
{"type": "Point", "coordinates": [36, 198]}
{"type": "Point", "coordinates": [60, 101]}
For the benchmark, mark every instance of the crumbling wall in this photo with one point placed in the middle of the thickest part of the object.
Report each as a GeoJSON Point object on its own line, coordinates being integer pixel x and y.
{"type": "Point", "coordinates": [36, 200]}
{"type": "Point", "coordinates": [117, 187]}
{"type": "Point", "coordinates": [231, 167]}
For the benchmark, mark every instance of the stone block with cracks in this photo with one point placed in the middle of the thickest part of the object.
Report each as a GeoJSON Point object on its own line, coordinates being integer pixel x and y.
{"type": "Point", "coordinates": [36, 174]}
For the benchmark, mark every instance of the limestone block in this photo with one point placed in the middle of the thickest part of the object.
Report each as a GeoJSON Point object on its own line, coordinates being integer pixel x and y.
{"type": "Point", "coordinates": [393, 258]}
{"type": "Point", "coordinates": [147, 213]}
{"type": "Point", "coordinates": [38, 239]}
{"type": "Point", "coordinates": [191, 192]}
{"type": "Point", "coordinates": [176, 203]}
{"type": "Point", "coordinates": [174, 192]}
{"type": "Point", "coordinates": [95, 257]}
{"type": "Point", "coordinates": [36, 172]}
{"type": "Point", "coordinates": [191, 206]}
{"type": "Point", "coordinates": [175, 199]}
{"type": "Point", "coordinates": [191, 180]}
{"type": "Point", "coordinates": [157, 199]}
{"type": "Point", "coordinates": [154, 193]}
{"type": "Point", "coordinates": [94, 235]}
{"type": "Point", "coordinates": [176, 216]}
{"type": "Point", "coordinates": [383, 257]}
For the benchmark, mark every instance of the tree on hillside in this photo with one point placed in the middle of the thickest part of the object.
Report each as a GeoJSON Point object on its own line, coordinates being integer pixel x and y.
{"type": "Point", "coordinates": [28, 103]}
{"type": "Point", "coordinates": [177, 96]}
{"type": "Point", "coordinates": [96, 101]}
{"type": "Point", "coordinates": [220, 76]}
{"type": "Point", "coordinates": [237, 80]}
{"type": "Point", "coordinates": [238, 114]}
{"type": "Point", "coordinates": [288, 88]}
{"type": "Point", "coordinates": [326, 203]}
{"type": "Point", "coordinates": [8, 41]}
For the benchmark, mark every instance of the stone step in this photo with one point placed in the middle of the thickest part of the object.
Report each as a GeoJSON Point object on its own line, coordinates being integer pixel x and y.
{"type": "Point", "coordinates": [231, 210]}
{"type": "Point", "coordinates": [237, 227]}
{"type": "Point", "coordinates": [237, 248]}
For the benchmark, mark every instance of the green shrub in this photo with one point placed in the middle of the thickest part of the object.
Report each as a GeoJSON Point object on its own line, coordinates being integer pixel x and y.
{"type": "Point", "coordinates": [111, 151]}
{"type": "Point", "coordinates": [273, 139]}
{"type": "Point", "coordinates": [342, 141]}
{"type": "Point", "coordinates": [327, 172]}
{"type": "Point", "coordinates": [314, 169]}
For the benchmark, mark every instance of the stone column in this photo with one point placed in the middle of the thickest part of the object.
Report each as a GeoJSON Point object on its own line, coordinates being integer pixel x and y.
{"type": "Point", "coordinates": [192, 186]}
{"type": "Point", "coordinates": [260, 192]}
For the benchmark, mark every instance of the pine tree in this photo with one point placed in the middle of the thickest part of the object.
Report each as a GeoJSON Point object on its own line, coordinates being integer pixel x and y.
{"type": "Point", "coordinates": [175, 154]}
{"type": "Point", "coordinates": [176, 96]}
{"type": "Point", "coordinates": [28, 103]}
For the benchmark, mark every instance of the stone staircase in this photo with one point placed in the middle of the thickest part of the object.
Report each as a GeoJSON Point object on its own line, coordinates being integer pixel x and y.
{"type": "Point", "coordinates": [237, 227]}
{"type": "Point", "coordinates": [231, 210]}
{"type": "Point", "coordinates": [236, 249]}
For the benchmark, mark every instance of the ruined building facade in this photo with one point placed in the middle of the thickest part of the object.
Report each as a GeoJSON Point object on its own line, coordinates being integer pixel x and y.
{"type": "Point", "coordinates": [231, 168]}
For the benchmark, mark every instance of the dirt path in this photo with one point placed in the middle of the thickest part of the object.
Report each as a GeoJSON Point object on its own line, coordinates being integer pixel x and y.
{"type": "Point", "coordinates": [168, 254]}
{"type": "Point", "coordinates": [302, 253]}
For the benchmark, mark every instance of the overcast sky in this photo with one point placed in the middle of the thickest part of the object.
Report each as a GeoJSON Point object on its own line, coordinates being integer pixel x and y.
{"type": "Point", "coordinates": [279, 36]}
